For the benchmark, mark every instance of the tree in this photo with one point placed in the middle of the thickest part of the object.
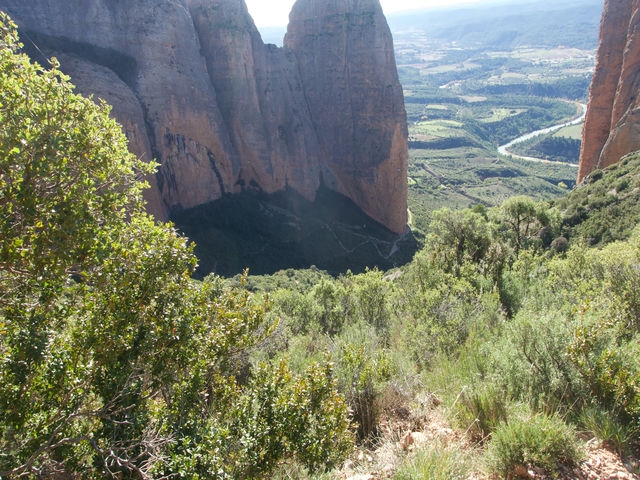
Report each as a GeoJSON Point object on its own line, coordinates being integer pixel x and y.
{"type": "Point", "coordinates": [113, 361]}
{"type": "Point", "coordinates": [523, 219]}
{"type": "Point", "coordinates": [460, 236]}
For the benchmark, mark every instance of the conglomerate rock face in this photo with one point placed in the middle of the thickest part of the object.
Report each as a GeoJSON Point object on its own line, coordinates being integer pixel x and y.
{"type": "Point", "coordinates": [354, 80]}
{"type": "Point", "coordinates": [612, 125]}
{"type": "Point", "coordinates": [197, 90]}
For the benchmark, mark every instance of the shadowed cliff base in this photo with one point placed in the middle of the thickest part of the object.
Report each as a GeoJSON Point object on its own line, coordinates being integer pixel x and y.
{"type": "Point", "coordinates": [267, 233]}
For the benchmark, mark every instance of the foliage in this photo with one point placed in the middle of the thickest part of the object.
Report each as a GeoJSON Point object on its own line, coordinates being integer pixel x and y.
{"type": "Point", "coordinates": [481, 410]}
{"type": "Point", "coordinates": [115, 363]}
{"type": "Point", "coordinates": [604, 361]}
{"type": "Point", "coordinates": [362, 371]}
{"type": "Point", "coordinates": [615, 434]}
{"type": "Point", "coordinates": [532, 364]}
{"type": "Point", "coordinates": [279, 417]}
{"type": "Point", "coordinates": [438, 461]}
{"type": "Point", "coordinates": [537, 440]}
{"type": "Point", "coordinates": [459, 237]}
{"type": "Point", "coordinates": [557, 149]}
{"type": "Point", "coordinates": [524, 222]}
{"type": "Point", "coordinates": [604, 208]}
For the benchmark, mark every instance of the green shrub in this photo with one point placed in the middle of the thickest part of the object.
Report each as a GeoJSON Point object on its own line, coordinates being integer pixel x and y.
{"type": "Point", "coordinates": [538, 440]}
{"type": "Point", "coordinates": [437, 462]}
{"type": "Point", "coordinates": [442, 318]}
{"type": "Point", "coordinates": [370, 292]}
{"type": "Point", "coordinates": [362, 370]}
{"type": "Point", "coordinates": [279, 418]}
{"type": "Point", "coordinates": [531, 362]}
{"type": "Point", "coordinates": [614, 433]}
{"type": "Point", "coordinates": [608, 365]}
{"type": "Point", "coordinates": [115, 363]}
{"type": "Point", "coordinates": [481, 410]}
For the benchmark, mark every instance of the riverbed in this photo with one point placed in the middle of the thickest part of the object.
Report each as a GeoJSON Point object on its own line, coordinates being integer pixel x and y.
{"type": "Point", "coordinates": [504, 149]}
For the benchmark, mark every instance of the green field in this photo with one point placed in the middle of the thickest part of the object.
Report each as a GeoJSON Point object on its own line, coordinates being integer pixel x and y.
{"type": "Point", "coordinates": [463, 102]}
{"type": "Point", "coordinates": [574, 131]}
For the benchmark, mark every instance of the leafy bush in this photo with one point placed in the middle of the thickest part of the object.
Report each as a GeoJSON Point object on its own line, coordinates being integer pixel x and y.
{"type": "Point", "coordinates": [614, 433]}
{"type": "Point", "coordinates": [537, 440]}
{"type": "Point", "coordinates": [362, 370]}
{"type": "Point", "coordinates": [604, 208]}
{"type": "Point", "coordinates": [607, 365]}
{"type": "Point", "coordinates": [479, 411]}
{"type": "Point", "coordinates": [115, 363]}
{"type": "Point", "coordinates": [437, 462]}
{"type": "Point", "coordinates": [370, 294]}
{"type": "Point", "coordinates": [530, 359]}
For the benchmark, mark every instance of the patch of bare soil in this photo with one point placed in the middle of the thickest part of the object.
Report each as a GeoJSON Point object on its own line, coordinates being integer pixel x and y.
{"type": "Point", "coordinates": [403, 432]}
{"type": "Point", "coordinates": [601, 463]}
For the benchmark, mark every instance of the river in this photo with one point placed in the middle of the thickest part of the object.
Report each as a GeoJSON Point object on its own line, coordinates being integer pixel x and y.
{"type": "Point", "coordinates": [504, 149]}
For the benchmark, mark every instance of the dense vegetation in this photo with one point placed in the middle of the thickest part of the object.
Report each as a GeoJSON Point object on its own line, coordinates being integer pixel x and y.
{"type": "Point", "coordinates": [522, 332]}
{"type": "Point", "coordinates": [557, 149]}
{"type": "Point", "coordinates": [117, 364]}
{"type": "Point", "coordinates": [114, 363]}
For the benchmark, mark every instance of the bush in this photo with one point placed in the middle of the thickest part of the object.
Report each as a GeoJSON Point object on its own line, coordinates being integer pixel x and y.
{"type": "Point", "coordinates": [537, 440]}
{"type": "Point", "coordinates": [362, 370]}
{"type": "Point", "coordinates": [115, 363]}
{"type": "Point", "coordinates": [531, 361]}
{"type": "Point", "coordinates": [481, 410]}
{"type": "Point", "coordinates": [615, 434]}
{"type": "Point", "coordinates": [608, 365]}
{"type": "Point", "coordinates": [437, 462]}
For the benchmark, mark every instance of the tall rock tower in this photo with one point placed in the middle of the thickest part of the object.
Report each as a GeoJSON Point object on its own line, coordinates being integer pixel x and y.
{"type": "Point", "coordinates": [197, 90]}
{"type": "Point", "coordinates": [612, 125]}
{"type": "Point", "coordinates": [346, 59]}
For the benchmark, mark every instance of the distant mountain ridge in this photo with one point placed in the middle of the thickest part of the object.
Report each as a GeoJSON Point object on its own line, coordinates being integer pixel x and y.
{"type": "Point", "coordinates": [502, 25]}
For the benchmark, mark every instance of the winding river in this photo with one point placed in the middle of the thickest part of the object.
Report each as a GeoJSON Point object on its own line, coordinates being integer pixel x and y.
{"type": "Point", "coordinates": [504, 149]}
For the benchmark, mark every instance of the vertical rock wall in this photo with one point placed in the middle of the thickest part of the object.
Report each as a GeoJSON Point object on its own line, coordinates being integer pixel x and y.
{"type": "Point", "coordinates": [356, 101]}
{"type": "Point", "coordinates": [197, 90]}
{"type": "Point", "coordinates": [612, 124]}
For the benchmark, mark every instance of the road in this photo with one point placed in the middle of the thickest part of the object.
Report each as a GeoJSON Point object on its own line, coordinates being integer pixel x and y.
{"type": "Point", "coordinates": [504, 149]}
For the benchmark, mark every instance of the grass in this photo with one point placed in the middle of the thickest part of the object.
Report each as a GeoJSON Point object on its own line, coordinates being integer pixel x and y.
{"type": "Point", "coordinates": [612, 432]}
{"type": "Point", "coordinates": [436, 128]}
{"type": "Point", "coordinates": [498, 114]}
{"type": "Point", "coordinates": [438, 461]}
{"type": "Point", "coordinates": [573, 131]}
{"type": "Point", "coordinates": [481, 411]}
{"type": "Point", "coordinates": [536, 440]}
{"type": "Point", "coordinates": [436, 107]}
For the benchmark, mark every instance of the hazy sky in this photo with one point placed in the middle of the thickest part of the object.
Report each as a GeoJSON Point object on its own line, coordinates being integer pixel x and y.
{"type": "Point", "coordinates": [268, 13]}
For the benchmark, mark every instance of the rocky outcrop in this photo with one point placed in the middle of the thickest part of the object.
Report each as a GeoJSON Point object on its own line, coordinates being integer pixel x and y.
{"type": "Point", "coordinates": [612, 124]}
{"type": "Point", "coordinates": [197, 90]}
{"type": "Point", "coordinates": [354, 79]}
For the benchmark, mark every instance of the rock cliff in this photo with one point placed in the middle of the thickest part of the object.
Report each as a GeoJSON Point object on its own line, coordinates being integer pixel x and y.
{"type": "Point", "coordinates": [612, 124]}
{"type": "Point", "coordinates": [354, 79]}
{"type": "Point", "coordinates": [197, 90]}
